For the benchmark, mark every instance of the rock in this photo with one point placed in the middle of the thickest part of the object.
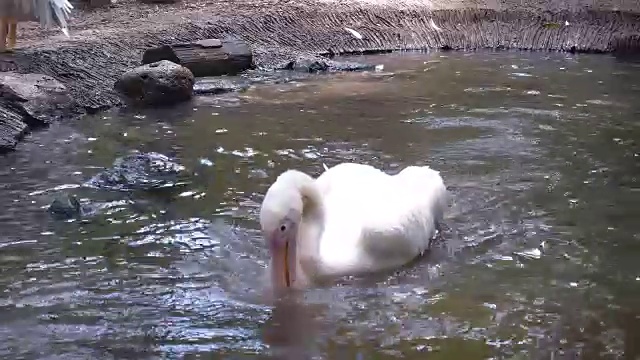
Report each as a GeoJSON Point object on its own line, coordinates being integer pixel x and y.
{"type": "Point", "coordinates": [160, 1]}
{"type": "Point", "coordinates": [308, 65]}
{"type": "Point", "coordinates": [30, 99]}
{"type": "Point", "coordinates": [65, 207]}
{"type": "Point", "coordinates": [68, 206]}
{"type": "Point", "coordinates": [39, 99]}
{"type": "Point", "coordinates": [275, 77]}
{"type": "Point", "coordinates": [220, 85]}
{"type": "Point", "coordinates": [12, 128]}
{"type": "Point", "coordinates": [210, 57]}
{"type": "Point", "coordinates": [145, 171]}
{"type": "Point", "coordinates": [319, 64]}
{"type": "Point", "coordinates": [158, 83]}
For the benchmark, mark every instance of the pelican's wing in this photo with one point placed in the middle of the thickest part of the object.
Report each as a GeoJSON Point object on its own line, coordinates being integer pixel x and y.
{"type": "Point", "coordinates": [376, 221]}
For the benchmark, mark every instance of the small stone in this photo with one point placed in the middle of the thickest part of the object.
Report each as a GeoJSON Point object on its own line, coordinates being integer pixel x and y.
{"type": "Point", "coordinates": [65, 207]}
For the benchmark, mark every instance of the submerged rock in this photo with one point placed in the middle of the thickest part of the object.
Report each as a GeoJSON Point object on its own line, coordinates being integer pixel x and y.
{"type": "Point", "coordinates": [66, 207]}
{"type": "Point", "coordinates": [39, 99]}
{"type": "Point", "coordinates": [158, 83]}
{"type": "Point", "coordinates": [303, 62]}
{"type": "Point", "coordinates": [225, 84]}
{"type": "Point", "coordinates": [319, 64]}
{"type": "Point", "coordinates": [145, 171]}
{"type": "Point", "coordinates": [220, 85]}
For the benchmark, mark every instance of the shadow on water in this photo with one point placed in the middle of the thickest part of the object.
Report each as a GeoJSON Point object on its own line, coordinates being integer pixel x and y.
{"type": "Point", "coordinates": [539, 151]}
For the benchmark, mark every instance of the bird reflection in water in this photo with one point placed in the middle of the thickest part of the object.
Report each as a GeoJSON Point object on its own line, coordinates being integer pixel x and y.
{"type": "Point", "coordinates": [292, 329]}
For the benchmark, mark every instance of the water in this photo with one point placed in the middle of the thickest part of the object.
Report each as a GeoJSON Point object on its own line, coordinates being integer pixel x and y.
{"type": "Point", "coordinates": [540, 152]}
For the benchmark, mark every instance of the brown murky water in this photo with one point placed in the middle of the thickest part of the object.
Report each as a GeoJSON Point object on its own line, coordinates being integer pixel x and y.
{"type": "Point", "coordinates": [540, 152]}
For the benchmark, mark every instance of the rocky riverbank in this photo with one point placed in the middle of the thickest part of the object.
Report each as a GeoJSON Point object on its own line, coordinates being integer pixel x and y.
{"type": "Point", "coordinates": [107, 42]}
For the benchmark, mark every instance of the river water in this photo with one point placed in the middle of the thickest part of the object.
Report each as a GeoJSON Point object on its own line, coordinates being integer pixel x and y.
{"type": "Point", "coordinates": [540, 152]}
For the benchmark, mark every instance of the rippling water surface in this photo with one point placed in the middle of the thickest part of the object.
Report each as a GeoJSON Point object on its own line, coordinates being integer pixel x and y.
{"type": "Point", "coordinates": [540, 152]}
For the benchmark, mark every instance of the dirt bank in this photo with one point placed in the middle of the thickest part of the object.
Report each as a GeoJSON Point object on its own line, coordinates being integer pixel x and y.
{"type": "Point", "coordinates": [108, 41]}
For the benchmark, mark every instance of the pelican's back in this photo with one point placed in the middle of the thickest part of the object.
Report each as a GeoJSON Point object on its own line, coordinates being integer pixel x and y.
{"type": "Point", "coordinates": [377, 221]}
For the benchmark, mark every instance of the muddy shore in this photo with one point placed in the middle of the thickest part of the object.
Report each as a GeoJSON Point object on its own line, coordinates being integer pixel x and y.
{"type": "Point", "coordinates": [106, 42]}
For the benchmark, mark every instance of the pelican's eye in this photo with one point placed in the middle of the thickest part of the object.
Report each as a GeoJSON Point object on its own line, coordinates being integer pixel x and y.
{"type": "Point", "coordinates": [283, 228]}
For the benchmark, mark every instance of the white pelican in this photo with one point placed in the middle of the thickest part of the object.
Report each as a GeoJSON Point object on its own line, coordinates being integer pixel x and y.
{"type": "Point", "coordinates": [353, 219]}
{"type": "Point", "coordinates": [46, 11]}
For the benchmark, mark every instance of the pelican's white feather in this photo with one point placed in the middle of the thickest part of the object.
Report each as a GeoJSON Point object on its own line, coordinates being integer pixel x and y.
{"type": "Point", "coordinates": [375, 221]}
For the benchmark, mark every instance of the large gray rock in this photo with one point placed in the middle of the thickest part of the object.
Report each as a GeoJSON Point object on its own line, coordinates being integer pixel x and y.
{"type": "Point", "coordinates": [30, 100]}
{"type": "Point", "coordinates": [158, 83]}
{"type": "Point", "coordinates": [12, 128]}
{"type": "Point", "coordinates": [40, 99]}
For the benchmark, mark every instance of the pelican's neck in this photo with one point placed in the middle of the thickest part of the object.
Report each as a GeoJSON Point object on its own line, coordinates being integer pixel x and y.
{"type": "Point", "coordinates": [312, 224]}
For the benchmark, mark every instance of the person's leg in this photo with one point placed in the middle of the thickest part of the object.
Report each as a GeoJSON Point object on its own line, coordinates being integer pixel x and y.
{"type": "Point", "coordinates": [4, 29]}
{"type": "Point", "coordinates": [13, 28]}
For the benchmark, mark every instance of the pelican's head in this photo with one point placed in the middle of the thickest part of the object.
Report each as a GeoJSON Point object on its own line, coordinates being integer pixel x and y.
{"type": "Point", "coordinates": [280, 217]}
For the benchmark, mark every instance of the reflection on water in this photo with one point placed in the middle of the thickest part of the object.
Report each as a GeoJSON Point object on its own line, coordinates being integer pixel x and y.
{"type": "Point", "coordinates": [539, 151]}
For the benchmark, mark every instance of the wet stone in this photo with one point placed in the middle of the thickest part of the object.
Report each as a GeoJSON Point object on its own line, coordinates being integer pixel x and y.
{"type": "Point", "coordinates": [315, 65]}
{"type": "Point", "coordinates": [65, 207]}
{"type": "Point", "coordinates": [145, 171]}
{"type": "Point", "coordinates": [219, 85]}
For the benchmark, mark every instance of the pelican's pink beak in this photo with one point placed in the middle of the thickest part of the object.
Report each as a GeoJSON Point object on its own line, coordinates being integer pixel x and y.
{"type": "Point", "coordinates": [283, 257]}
